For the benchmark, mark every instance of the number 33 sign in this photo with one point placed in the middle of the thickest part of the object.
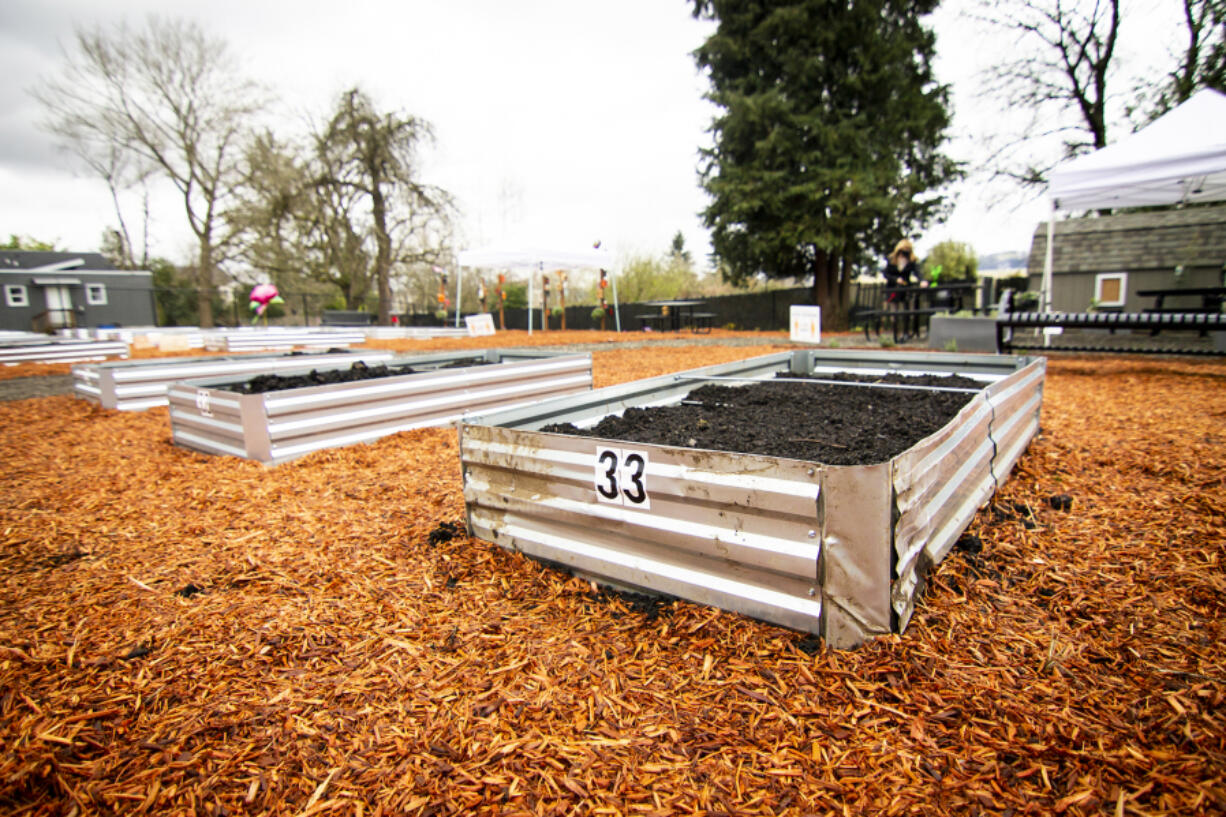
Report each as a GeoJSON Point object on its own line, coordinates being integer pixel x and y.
{"type": "Point", "coordinates": [621, 477]}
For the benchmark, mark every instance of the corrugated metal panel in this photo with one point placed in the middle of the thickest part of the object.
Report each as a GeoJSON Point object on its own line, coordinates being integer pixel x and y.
{"type": "Point", "coordinates": [939, 484]}
{"type": "Point", "coordinates": [856, 561]}
{"type": "Point", "coordinates": [732, 530]}
{"type": "Point", "coordinates": [247, 341]}
{"type": "Point", "coordinates": [212, 422]}
{"type": "Point", "coordinates": [140, 384]}
{"type": "Point", "coordinates": [1018, 402]}
{"type": "Point", "coordinates": [863, 533]}
{"type": "Point", "coordinates": [280, 426]}
{"type": "Point", "coordinates": [942, 481]}
{"type": "Point", "coordinates": [417, 332]}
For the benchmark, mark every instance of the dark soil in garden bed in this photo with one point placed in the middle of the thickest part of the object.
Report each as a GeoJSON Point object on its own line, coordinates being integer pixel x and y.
{"type": "Point", "coordinates": [358, 371]}
{"type": "Point", "coordinates": [821, 422]}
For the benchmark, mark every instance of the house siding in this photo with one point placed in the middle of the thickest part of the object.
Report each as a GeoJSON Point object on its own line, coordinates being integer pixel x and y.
{"type": "Point", "coordinates": [1146, 246]}
{"type": "Point", "coordinates": [129, 297]}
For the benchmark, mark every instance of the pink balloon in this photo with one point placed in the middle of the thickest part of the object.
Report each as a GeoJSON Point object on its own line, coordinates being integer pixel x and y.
{"type": "Point", "coordinates": [263, 293]}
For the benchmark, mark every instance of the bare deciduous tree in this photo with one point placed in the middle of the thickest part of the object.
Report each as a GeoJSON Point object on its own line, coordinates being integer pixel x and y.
{"type": "Point", "coordinates": [162, 99]}
{"type": "Point", "coordinates": [1059, 75]}
{"type": "Point", "coordinates": [348, 209]}
{"type": "Point", "coordinates": [375, 155]}
{"type": "Point", "coordinates": [1202, 64]}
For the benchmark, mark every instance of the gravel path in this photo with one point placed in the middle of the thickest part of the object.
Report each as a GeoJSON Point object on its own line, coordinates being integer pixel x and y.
{"type": "Point", "coordinates": [22, 388]}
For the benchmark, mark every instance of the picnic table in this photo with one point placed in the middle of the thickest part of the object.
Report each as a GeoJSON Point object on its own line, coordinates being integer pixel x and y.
{"type": "Point", "coordinates": [1211, 299]}
{"type": "Point", "coordinates": [914, 305]}
{"type": "Point", "coordinates": [676, 314]}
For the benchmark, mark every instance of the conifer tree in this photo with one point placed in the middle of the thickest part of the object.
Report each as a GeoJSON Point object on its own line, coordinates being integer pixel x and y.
{"type": "Point", "coordinates": [827, 146]}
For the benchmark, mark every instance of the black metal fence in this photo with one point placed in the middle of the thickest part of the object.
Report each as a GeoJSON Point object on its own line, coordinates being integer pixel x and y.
{"type": "Point", "coordinates": [754, 310]}
{"type": "Point", "coordinates": [767, 310]}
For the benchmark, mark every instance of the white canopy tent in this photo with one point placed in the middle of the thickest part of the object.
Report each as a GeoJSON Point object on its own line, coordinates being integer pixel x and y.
{"type": "Point", "coordinates": [1179, 157]}
{"type": "Point", "coordinates": [536, 259]}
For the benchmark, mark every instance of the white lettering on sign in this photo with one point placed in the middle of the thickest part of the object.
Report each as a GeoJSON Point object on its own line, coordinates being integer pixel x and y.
{"type": "Point", "coordinates": [621, 477]}
{"type": "Point", "coordinates": [202, 402]}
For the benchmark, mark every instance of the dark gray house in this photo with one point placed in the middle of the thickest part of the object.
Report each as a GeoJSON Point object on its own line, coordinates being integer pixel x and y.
{"type": "Point", "coordinates": [45, 291]}
{"type": "Point", "coordinates": [1105, 260]}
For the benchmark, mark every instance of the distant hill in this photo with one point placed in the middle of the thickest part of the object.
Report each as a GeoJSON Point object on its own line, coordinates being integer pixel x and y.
{"type": "Point", "coordinates": [1003, 261]}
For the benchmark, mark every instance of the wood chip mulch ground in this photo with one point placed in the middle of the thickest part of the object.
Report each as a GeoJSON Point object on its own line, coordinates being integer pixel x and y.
{"type": "Point", "coordinates": [199, 635]}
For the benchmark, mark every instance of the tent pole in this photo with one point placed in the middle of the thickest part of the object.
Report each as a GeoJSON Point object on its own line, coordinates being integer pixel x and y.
{"type": "Point", "coordinates": [1047, 257]}
{"type": "Point", "coordinates": [531, 296]}
{"type": "Point", "coordinates": [617, 313]}
{"type": "Point", "coordinates": [1047, 265]}
{"type": "Point", "coordinates": [459, 280]}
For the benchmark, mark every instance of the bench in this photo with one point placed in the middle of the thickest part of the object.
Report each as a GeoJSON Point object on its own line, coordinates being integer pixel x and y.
{"type": "Point", "coordinates": [1211, 299]}
{"type": "Point", "coordinates": [654, 323]}
{"type": "Point", "coordinates": [700, 322]}
{"type": "Point", "coordinates": [873, 318]}
{"type": "Point", "coordinates": [1153, 321]}
{"type": "Point", "coordinates": [346, 317]}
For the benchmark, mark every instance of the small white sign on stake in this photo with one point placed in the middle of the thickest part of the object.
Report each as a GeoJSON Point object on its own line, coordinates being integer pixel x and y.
{"type": "Point", "coordinates": [806, 324]}
{"type": "Point", "coordinates": [480, 325]}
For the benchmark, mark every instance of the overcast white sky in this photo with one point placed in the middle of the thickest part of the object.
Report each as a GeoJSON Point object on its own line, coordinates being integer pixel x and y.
{"type": "Point", "coordinates": [557, 121]}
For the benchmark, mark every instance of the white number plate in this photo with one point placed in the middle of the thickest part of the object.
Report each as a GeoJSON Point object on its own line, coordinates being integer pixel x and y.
{"type": "Point", "coordinates": [621, 477]}
{"type": "Point", "coordinates": [202, 403]}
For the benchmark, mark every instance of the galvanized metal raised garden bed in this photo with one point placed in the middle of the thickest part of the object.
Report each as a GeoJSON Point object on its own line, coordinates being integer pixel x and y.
{"type": "Point", "coordinates": [136, 385]}
{"type": "Point", "coordinates": [840, 551]}
{"type": "Point", "coordinates": [212, 417]}
{"type": "Point", "coordinates": [61, 351]}
{"type": "Point", "coordinates": [252, 340]}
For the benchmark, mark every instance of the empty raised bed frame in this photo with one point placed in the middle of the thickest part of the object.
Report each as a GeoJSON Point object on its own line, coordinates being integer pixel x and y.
{"type": "Point", "coordinates": [277, 426]}
{"type": "Point", "coordinates": [840, 551]}
{"type": "Point", "coordinates": [136, 385]}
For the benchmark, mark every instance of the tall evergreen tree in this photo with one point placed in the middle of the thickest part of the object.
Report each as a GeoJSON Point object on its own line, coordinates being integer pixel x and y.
{"type": "Point", "coordinates": [827, 147]}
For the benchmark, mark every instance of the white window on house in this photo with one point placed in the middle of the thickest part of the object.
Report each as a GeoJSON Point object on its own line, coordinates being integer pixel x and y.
{"type": "Point", "coordinates": [15, 295]}
{"type": "Point", "coordinates": [95, 294]}
{"type": "Point", "coordinates": [1110, 288]}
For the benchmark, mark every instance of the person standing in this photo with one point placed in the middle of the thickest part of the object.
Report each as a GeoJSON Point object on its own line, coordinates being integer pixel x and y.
{"type": "Point", "coordinates": [900, 271]}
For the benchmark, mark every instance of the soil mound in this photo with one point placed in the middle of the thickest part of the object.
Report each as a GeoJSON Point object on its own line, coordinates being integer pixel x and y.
{"type": "Point", "coordinates": [829, 419]}
{"type": "Point", "coordinates": [263, 383]}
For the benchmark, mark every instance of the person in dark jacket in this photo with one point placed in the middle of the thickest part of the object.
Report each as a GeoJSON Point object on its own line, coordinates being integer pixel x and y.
{"type": "Point", "coordinates": [900, 271]}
